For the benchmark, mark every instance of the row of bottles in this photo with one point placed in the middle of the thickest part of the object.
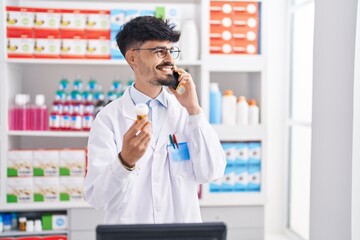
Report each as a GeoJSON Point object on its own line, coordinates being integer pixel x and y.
{"type": "Point", "coordinates": [229, 110]}
{"type": "Point", "coordinates": [24, 116]}
{"type": "Point", "coordinates": [76, 109]}
{"type": "Point", "coordinates": [72, 109]}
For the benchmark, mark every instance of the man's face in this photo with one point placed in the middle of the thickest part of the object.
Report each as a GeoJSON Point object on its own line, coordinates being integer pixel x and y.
{"type": "Point", "coordinates": [155, 66]}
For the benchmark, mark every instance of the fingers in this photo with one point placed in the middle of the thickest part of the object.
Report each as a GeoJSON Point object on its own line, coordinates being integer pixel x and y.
{"type": "Point", "coordinates": [137, 127]}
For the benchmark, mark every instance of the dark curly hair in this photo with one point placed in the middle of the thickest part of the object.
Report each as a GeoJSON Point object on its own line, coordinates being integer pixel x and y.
{"type": "Point", "coordinates": [145, 28]}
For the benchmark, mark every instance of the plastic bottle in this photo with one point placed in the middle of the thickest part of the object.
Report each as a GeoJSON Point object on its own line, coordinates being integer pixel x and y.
{"type": "Point", "coordinates": [215, 104]}
{"type": "Point", "coordinates": [254, 113]}
{"type": "Point", "coordinates": [37, 225]}
{"type": "Point", "coordinates": [242, 111]}
{"type": "Point", "coordinates": [64, 84]}
{"type": "Point", "coordinates": [55, 114]}
{"type": "Point", "coordinates": [7, 222]}
{"type": "Point", "coordinates": [22, 224]}
{"type": "Point", "coordinates": [1, 223]}
{"type": "Point", "coordinates": [14, 113]}
{"type": "Point", "coordinates": [39, 114]}
{"type": "Point", "coordinates": [92, 84]}
{"type": "Point", "coordinates": [99, 101]}
{"type": "Point", "coordinates": [14, 221]}
{"type": "Point", "coordinates": [228, 108]}
{"type": "Point", "coordinates": [29, 226]}
{"type": "Point", "coordinates": [23, 112]}
{"type": "Point", "coordinates": [66, 114]}
{"type": "Point", "coordinates": [76, 119]}
{"type": "Point", "coordinates": [189, 42]}
{"type": "Point", "coordinates": [111, 95]}
{"type": "Point", "coordinates": [117, 85]}
{"type": "Point", "coordinates": [88, 115]}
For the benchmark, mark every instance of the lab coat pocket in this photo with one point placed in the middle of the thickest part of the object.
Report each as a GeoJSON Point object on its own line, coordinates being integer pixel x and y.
{"type": "Point", "coordinates": [179, 160]}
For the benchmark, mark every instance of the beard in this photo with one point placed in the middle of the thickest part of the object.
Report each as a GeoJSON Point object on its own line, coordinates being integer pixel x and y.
{"type": "Point", "coordinates": [167, 81]}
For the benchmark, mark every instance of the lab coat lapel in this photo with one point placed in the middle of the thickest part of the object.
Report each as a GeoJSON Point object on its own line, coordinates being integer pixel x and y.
{"type": "Point", "coordinates": [128, 106]}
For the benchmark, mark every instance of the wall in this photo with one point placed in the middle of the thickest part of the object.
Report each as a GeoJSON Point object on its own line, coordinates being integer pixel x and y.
{"type": "Point", "coordinates": [332, 134]}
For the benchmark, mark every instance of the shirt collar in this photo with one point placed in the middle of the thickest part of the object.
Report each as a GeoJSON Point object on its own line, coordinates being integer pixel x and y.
{"type": "Point", "coordinates": [139, 97]}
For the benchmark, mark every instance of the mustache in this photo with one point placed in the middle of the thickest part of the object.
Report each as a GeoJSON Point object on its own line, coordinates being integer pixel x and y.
{"type": "Point", "coordinates": [166, 65]}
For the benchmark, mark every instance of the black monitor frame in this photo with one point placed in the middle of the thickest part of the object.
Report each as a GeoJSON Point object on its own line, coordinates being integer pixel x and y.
{"type": "Point", "coordinates": [174, 231]}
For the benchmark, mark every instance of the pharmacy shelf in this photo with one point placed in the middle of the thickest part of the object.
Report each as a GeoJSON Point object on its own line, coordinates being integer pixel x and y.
{"type": "Point", "coordinates": [79, 134]}
{"type": "Point", "coordinates": [240, 133]}
{"type": "Point", "coordinates": [19, 233]}
{"type": "Point", "coordinates": [87, 62]}
{"type": "Point", "coordinates": [232, 199]}
{"type": "Point", "coordinates": [43, 206]}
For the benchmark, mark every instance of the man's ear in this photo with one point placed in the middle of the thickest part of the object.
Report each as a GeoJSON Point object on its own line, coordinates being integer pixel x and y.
{"type": "Point", "coordinates": [130, 58]}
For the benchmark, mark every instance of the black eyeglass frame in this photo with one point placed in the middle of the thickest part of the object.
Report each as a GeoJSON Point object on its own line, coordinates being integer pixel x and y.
{"type": "Point", "coordinates": [161, 53]}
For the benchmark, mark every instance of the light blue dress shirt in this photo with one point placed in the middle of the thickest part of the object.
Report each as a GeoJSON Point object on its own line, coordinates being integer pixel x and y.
{"type": "Point", "coordinates": [157, 108]}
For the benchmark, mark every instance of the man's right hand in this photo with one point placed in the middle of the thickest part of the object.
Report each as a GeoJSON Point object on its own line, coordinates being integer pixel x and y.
{"type": "Point", "coordinates": [135, 142]}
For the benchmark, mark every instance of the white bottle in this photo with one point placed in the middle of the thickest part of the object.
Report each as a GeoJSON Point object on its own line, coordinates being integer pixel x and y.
{"type": "Point", "coordinates": [228, 108]}
{"type": "Point", "coordinates": [189, 41]}
{"type": "Point", "coordinates": [242, 111]}
{"type": "Point", "coordinates": [254, 117]}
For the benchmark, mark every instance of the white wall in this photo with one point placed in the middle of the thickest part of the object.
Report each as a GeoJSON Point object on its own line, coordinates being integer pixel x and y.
{"type": "Point", "coordinates": [332, 125]}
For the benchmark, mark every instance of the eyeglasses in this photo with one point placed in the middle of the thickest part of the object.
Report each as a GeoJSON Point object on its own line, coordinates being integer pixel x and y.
{"type": "Point", "coordinates": [161, 52]}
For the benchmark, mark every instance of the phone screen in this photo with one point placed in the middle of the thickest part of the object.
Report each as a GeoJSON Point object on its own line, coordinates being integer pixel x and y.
{"type": "Point", "coordinates": [175, 82]}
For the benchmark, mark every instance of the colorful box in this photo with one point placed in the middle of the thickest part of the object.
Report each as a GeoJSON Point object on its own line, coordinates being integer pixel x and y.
{"type": "Point", "coordinates": [46, 163]}
{"type": "Point", "coordinates": [73, 44]}
{"type": "Point", "coordinates": [19, 17]}
{"type": "Point", "coordinates": [46, 189]}
{"type": "Point", "coordinates": [20, 43]}
{"type": "Point", "coordinates": [19, 190]}
{"type": "Point", "coordinates": [20, 163]}
{"type": "Point", "coordinates": [47, 44]}
{"type": "Point", "coordinates": [72, 163]}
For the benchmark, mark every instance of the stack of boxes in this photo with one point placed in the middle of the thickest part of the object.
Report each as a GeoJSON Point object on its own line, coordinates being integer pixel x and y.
{"type": "Point", "coordinates": [72, 33]}
{"type": "Point", "coordinates": [243, 168]}
{"type": "Point", "coordinates": [57, 33]}
{"type": "Point", "coordinates": [234, 27]}
{"type": "Point", "coordinates": [45, 175]}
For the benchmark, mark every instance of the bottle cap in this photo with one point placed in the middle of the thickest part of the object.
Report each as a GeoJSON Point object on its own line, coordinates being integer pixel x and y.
{"type": "Point", "coordinates": [252, 102]}
{"type": "Point", "coordinates": [39, 99]}
{"type": "Point", "coordinates": [228, 92]}
{"type": "Point", "coordinates": [241, 99]}
{"type": "Point", "coordinates": [214, 86]}
{"type": "Point", "coordinates": [141, 109]}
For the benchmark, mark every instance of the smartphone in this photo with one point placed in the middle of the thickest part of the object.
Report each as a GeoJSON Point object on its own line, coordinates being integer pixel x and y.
{"type": "Point", "coordinates": [175, 82]}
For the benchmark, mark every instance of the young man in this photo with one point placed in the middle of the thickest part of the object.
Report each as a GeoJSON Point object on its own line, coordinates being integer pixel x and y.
{"type": "Point", "coordinates": [137, 171]}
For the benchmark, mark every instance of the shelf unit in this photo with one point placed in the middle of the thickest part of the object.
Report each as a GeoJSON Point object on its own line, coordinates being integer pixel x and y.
{"type": "Point", "coordinates": [25, 234]}
{"type": "Point", "coordinates": [29, 75]}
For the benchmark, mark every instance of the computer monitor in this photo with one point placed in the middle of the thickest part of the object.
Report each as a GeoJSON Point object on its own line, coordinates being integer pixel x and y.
{"type": "Point", "coordinates": [176, 231]}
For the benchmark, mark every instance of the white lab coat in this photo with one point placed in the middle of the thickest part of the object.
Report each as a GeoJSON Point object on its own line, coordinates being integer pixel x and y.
{"type": "Point", "coordinates": [159, 190]}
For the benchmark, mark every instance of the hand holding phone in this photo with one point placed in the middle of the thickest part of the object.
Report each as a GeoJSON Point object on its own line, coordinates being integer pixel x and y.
{"type": "Point", "coordinates": [180, 89]}
{"type": "Point", "coordinates": [175, 82]}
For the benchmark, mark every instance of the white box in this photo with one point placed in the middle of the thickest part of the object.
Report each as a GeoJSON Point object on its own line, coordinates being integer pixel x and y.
{"type": "Point", "coordinates": [46, 163]}
{"type": "Point", "coordinates": [20, 163]}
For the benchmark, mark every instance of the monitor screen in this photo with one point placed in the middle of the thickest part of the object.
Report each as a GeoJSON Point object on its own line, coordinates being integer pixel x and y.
{"type": "Point", "coordinates": [175, 231]}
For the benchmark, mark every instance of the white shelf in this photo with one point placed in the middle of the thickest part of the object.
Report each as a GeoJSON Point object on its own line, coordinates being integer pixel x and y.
{"type": "Point", "coordinates": [240, 133]}
{"type": "Point", "coordinates": [43, 206]}
{"type": "Point", "coordinates": [19, 234]}
{"type": "Point", "coordinates": [49, 134]}
{"type": "Point", "coordinates": [233, 199]}
{"type": "Point", "coordinates": [87, 62]}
